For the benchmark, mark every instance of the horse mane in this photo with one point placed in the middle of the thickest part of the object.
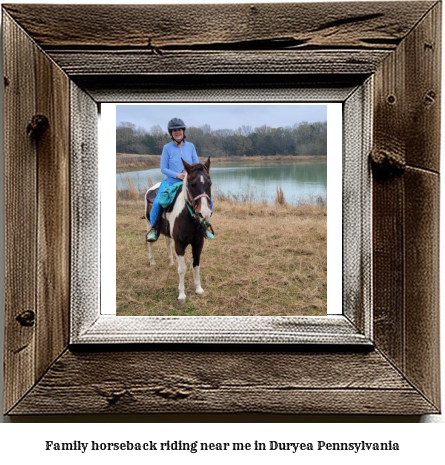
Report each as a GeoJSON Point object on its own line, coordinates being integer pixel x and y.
{"type": "Point", "coordinates": [199, 167]}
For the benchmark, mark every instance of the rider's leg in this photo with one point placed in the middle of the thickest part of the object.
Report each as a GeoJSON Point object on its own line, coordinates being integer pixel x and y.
{"type": "Point", "coordinates": [152, 235]}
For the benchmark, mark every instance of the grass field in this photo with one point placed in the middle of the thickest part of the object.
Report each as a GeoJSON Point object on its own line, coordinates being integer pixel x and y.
{"type": "Point", "coordinates": [264, 260]}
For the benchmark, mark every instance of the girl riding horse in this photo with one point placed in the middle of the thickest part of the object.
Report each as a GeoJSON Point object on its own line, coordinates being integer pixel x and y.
{"type": "Point", "coordinates": [172, 167]}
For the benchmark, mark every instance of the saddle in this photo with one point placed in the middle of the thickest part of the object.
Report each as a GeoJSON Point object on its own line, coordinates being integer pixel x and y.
{"type": "Point", "coordinates": [167, 201]}
{"type": "Point", "coordinates": [151, 193]}
{"type": "Point", "coordinates": [168, 197]}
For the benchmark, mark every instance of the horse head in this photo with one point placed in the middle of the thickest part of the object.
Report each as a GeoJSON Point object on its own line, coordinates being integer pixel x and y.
{"type": "Point", "coordinates": [198, 188]}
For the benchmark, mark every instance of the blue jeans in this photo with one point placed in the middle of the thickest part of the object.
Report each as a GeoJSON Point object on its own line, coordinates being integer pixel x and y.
{"type": "Point", "coordinates": [156, 207]}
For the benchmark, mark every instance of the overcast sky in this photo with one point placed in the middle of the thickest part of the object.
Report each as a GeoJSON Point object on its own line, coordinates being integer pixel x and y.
{"type": "Point", "coordinates": [220, 116]}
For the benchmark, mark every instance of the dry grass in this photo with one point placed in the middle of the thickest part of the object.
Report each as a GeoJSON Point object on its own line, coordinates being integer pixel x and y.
{"type": "Point", "coordinates": [280, 200]}
{"type": "Point", "coordinates": [131, 193]}
{"type": "Point", "coordinates": [264, 260]}
{"type": "Point", "coordinates": [133, 162]}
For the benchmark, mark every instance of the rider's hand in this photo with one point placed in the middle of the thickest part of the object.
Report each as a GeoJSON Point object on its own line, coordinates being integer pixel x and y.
{"type": "Point", "coordinates": [180, 175]}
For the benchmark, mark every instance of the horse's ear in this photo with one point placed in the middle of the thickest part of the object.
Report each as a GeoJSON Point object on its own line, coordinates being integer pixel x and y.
{"type": "Point", "coordinates": [207, 164]}
{"type": "Point", "coordinates": [187, 167]}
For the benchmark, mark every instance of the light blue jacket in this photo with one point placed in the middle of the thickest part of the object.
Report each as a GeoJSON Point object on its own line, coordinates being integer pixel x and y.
{"type": "Point", "coordinates": [171, 163]}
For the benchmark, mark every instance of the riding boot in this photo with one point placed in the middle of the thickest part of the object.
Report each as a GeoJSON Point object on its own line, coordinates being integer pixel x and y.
{"type": "Point", "coordinates": [153, 234]}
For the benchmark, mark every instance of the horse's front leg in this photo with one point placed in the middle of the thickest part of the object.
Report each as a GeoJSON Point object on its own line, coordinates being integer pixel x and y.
{"type": "Point", "coordinates": [197, 249]}
{"type": "Point", "coordinates": [182, 268]}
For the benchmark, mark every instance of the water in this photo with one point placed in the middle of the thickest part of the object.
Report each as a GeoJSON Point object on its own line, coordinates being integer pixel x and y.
{"type": "Point", "coordinates": [301, 182]}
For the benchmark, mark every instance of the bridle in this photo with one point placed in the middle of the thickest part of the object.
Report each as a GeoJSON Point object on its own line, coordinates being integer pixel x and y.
{"type": "Point", "coordinates": [191, 202]}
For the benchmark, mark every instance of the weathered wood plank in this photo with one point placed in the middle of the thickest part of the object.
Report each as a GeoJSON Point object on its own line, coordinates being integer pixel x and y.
{"type": "Point", "coordinates": [422, 281]}
{"type": "Point", "coordinates": [210, 330]}
{"type": "Point", "coordinates": [20, 213]}
{"type": "Point", "coordinates": [221, 382]}
{"type": "Point", "coordinates": [357, 209]}
{"type": "Point", "coordinates": [219, 88]}
{"type": "Point", "coordinates": [423, 92]}
{"type": "Point", "coordinates": [129, 62]}
{"type": "Point", "coordinates": [406, 205]}
{"type": "Point", "coordinates": [388, 201]}
{"type": "Point", "coordinates": [53, 228]}
{"type": "Point", "coordinates": [84, 205]}
{"type": "Point", "coordinates": [376, 25]}
{"type": "Point", "coordinates": [388, 268]}
{"type": "Point", "coordinates": [252, 400]}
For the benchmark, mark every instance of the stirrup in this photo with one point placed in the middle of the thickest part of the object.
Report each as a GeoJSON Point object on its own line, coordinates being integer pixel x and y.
{"type": "Point", "coordinates": [152, 236]}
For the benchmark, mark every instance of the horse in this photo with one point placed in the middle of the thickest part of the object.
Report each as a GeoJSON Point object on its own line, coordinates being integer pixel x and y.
{"type": "Point", "coordinates": [186, 222]}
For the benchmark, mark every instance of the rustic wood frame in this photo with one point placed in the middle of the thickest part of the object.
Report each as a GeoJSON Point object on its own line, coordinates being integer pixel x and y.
{"type": "Point", "coordinates": [78, 56]}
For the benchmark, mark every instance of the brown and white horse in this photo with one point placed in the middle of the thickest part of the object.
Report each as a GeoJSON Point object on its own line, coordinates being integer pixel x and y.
{"type": "Point", "coordinates": [186, 223]}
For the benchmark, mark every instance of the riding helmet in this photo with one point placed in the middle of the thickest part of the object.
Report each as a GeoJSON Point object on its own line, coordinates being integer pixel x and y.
{"type": "Point", "coordinates": [176, 123]}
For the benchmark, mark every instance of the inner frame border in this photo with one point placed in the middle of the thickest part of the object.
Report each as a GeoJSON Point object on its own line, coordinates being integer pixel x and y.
{"type": "Point", "coordinates": [354, 326]}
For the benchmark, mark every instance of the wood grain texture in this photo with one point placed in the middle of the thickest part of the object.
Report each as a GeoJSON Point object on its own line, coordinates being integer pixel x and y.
{"type": "Point", "coordinates": [407, 114]}
{"type": "Point", "coordinates": [295, 45]}
{"type": "Point", "coordinates": [222, 382]}
{"type": "Point", "coordinates": [423, 92]}
{"type": "Point", "coordinates": [78, 63]}
{"type": "Point", "coordinates": [84, 205]}
{"type": "Point", "coordinates": [53, 224]}
{"type": "Point", "coordinates": [388, 268]}
{"type": "Point", "coordinates": [21, 216]}
{"type": "Point", "coordinates": [241, 26]}
{"type": "Point", "coordinates": [218, 88]}
{"type": "Point", "coordinates": [228, 39]}
{"type": "Point", "coordinates": [389, 145]}
{"type": "Point", "coordinates": [333, 329]}
{"type": "Point", "coordinates": [406, 205]}
{"type": "Point", "coordinates": [422, 281]}
{"type": "Point", "coordinates": [357, 209]}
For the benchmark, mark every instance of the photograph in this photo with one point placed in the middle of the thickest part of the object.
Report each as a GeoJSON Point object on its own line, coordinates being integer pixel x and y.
{"type": "Point", "coordinates": [235, 203]}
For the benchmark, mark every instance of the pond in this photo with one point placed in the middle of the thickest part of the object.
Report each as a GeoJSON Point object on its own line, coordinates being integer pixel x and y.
{"type": "Point", "coordinates": [301, 182]}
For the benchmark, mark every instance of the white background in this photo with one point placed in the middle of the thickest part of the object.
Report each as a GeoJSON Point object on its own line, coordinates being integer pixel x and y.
{"type": "Point", "coordinates": [107, 147]}
{"type": "Point", "coordinates": [23, 440]}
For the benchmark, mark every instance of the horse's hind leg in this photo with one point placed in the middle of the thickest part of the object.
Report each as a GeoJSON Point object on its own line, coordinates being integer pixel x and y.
{"type": "Point", "coordinates": [196, 274]}
{"type": "Point", "coordinates": [168, 241]}
{"type": "Point", "coordinates": [151, 256]}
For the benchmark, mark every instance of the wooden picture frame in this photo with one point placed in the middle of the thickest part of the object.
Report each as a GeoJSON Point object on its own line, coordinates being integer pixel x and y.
{"type": "Point", "coordinates": [57, 70]}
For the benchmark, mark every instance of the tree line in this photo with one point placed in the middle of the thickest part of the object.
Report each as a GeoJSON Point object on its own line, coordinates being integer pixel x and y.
{"type": "Point", "coordinates": [300, 139]}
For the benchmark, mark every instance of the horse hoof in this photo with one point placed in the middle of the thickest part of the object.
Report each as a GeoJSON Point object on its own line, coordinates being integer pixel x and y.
{"type": "Point", "coordinates": [200, 291]}
{"type": "Point", "coordinates": [181, 300]}
{"type": "Point", "coordinates": [152, 263]}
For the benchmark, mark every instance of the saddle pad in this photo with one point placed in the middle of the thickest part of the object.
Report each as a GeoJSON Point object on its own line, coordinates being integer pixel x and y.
{"type": "Point", "coordinates": [152, 192]}
{"type": "Point", "coordinates": [168, 196]}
